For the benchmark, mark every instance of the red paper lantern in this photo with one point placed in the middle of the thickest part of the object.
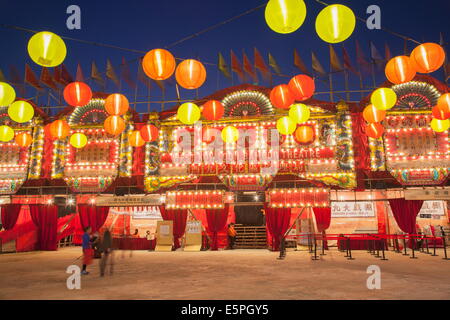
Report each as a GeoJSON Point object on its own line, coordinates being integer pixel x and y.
{"type": "Point", "coordinates": [428, 57]}
{"type": "Point", "coordinates": [304, 134]}
{"type": "Point", "coordinates": [374, 130]}
{"type": "Point", "coordinates": [400, 69]}
{"type": "Point", "coordinates": [190, 74]}
{"type": "Point", "coordinates": [158, 64]}
{"type": "Point", "coordinates": [372, 114]}
{"type": "Point", "coordinates": [302, 87]}
{"type": "Point", "coordinates": [23, 139]}
{"type": "Point", "coordinates": [209, 134]}
{"type": "Point", "coordinates": [444, 102]}
{"type": "Point", "coordinates": [149, 133]}
{"type": "Point", "coordinates": [213, 110]}
{"type": "Point", "coordinates": [59, 129]}
{"type": "Point", "coordinates": [114, 125]}
{"type": "Point", "coordinates": [281, 97]}
{"type": "Point", "coordinates": [439, 113]}
{"type": "Point", "coordinates": [116, 104]}
{"type": "Point", "coordinates": [77, 94]}
{"type": "Point", "coordinates": [135, 139]}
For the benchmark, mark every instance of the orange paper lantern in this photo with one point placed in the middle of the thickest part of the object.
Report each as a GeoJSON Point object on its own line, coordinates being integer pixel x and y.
{"type": "Point", "coordinates": [444, 102]}
{"type": "Point", "coordinates": [374, 130]}
{"type": "Point", "coordinates": [116, 104]}
{"type": "Point", "coordinates": [135, 139]}
{"type": "Point", "coordinates": [114, 125]}
{"type": "Point", "coordinates": [281, 97]}
{"type": "Point", "coordinates": [158, 64]}
{"type": "Point", "coordinates": [59, 129]}
{"type": "Point", "coordinates": [23, 139]}
{"type": "Point", "coordinates": [400, 69]}
{"type": "Point", "coordinates": [77, 94]}
{"type": "Point", "coordinates": [190, 74]}
{"type": "Point", "coordinates": [149, 133]}
{"type": "Point", "coordinates": [302, 87]}
{"type": "Point", "coordinates": [439, 113]}
{"type": "Point", "coordinates": [213, 110]}
{"type": "Point", "coordinates": [304, 134]}
{"type": "Point", "coordinates": [428, 57]}
{"type": "Point", "coordinates": [372, 114]}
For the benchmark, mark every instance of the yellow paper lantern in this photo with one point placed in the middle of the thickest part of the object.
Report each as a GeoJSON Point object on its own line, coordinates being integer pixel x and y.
{"type": "Point", "coordinates": [335, 23]}
{"type": "Point", "coordinates": [188, 113]}
{"type": "Point", "coordinates": [286, 125]}
{"type": "Point", "coordinates": [47, 49]}
{"type": "Point", "coordinates": [7, 94]}
{"type": "Point", "coordinates": [299, 113]}
{"type": "Point", "coordinates": [230, 134]}
{"type": "Point", "coordinates": [285, 16]}
{"type": "Point", "coordinates": [440, 125]}
{"type": "Point", "coordinates": [383, 98]}
{"type": "Point", "coordinates": [6, 133]}
{"type": "Point", "coordinates": [78, 140]}
{"type": "Point", "coordinates": [21, 111]}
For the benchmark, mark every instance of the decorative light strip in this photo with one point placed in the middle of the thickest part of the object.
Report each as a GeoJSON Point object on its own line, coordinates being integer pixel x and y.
{"type": "Point", "coordinates": [303, 197]}
{"type": "Point", "coordinates": [213, 199]}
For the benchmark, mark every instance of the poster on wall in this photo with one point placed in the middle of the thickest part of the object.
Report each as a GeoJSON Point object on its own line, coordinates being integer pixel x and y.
{"type": "Point", "coordinates": [432, 208]}
{"type": "Point", "coordinates": [352, 209]}
{"type": "Point", "coordinates": [147, 213]}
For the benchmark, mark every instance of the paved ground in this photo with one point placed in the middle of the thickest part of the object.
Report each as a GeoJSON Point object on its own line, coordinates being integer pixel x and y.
{"type": "Point", "coordinates": [237, 274]}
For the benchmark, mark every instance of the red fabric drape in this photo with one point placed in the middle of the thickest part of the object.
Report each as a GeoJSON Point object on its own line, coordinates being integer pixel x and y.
{"type": "Point", "coordinates": [45, 217]}
{"type": "Point", "coordinates": [10, 213]}
{"type": "Point", "coordinates": [277, 220]}
{"type": "Point", "coordinates": [179, 218]}
{"type": "Point", "coordinates": [405, 213]}
{"type": "Point", "coordinates": [217, 222]}
{"type": "Point", "coordinates": [323, 218]}
{"type": "Point", "coordinates": [92, 216]}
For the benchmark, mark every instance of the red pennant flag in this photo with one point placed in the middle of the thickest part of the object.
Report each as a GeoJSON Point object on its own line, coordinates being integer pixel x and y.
{"type": "Point", "coordinates": [248, 68]}
{"type": "Point", "coordinates": [347, 62]}
{"type": "Point", "coordinates": [126, 75]}
{"type": "Point", "coordinates": [47, 79]}
{"type": "Point", "coordinates": [66, 78]}
{"type": "Point", "coordinates": [261, 65]}
{"type": "Point", "coordinates": [31, 78]}
{"type": "Point", "coordinates": [236, 66]}
{"type": "Point", "coordinates": [79, 76]}
{"type": "Point", "coordinates": [298, 62]}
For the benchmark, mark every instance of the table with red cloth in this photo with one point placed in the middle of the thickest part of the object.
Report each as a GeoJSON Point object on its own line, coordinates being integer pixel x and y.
{"type": "Point", "coordinates": [363, 243]}
{"type": "Point", "coordinates": [134, 244]}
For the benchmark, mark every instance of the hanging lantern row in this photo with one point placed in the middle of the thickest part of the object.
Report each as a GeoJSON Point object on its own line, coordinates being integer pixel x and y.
{"type": "Point", "coordinates": [300, 88]}
{"type": "Point", "coordinates": [425, 58]}
{"type": "Point", "coordinates": [160, 64]}
{"type": "Point", "coordinates": [335, 23]}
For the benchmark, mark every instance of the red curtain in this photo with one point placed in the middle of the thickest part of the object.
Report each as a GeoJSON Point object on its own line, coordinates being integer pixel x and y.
{"type": "Point", "coordinates": [45, 217]}
{"type": "Point", "coordinates": [405, 213]}
{"type": "Point", "coordinates": [179, 218]}
{"type": "Point", "coordinates": [277, 220]}
{"type": "Point", "coordinates": [92, 216]}
{"type": "Point", "coordinates": [217, 222]}
{"type": "Point", "coordinates": [10, 213]}
{"type": "Point", "coordinates": [323, 218]}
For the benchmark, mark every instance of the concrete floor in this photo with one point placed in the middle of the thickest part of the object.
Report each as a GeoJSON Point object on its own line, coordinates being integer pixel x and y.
{"type": "Point", "coordinates": [236, 274]}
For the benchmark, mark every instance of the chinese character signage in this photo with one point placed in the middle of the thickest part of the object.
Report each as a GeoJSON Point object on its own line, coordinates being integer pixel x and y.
{"type": "Point", "coordinates": [350, 209]}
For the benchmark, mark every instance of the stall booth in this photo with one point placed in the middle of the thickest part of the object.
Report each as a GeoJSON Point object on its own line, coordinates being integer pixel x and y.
{"type": "Point", "coordinates": [327, 178]}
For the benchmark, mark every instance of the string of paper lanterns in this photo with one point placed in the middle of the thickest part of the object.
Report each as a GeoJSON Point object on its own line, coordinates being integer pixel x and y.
{"type": "Point", "coordinates": [285, 16]}
{"type": "Point", "coordinates": [21, 111]}
{"type": "Point", "coordinates": [77, 94]}
{"type": "Point", "coordinates": [47, 49]}
{"type": "Point", "coordinates": [7, 94]}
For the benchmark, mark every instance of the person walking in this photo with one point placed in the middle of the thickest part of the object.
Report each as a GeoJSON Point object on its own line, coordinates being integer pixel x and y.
{"type": "Point", "coordinates": [106, 247]}
{"type": "Point", "coordinates": [87, 249]}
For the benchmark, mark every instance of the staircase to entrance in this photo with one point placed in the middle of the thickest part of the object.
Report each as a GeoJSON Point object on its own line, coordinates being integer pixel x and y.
{"type": "Point", "coordinates": [250, 237]}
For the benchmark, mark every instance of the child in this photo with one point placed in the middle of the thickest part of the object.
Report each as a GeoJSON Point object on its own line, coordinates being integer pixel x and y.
{"type": "Point", "coordinates": [87, 250]}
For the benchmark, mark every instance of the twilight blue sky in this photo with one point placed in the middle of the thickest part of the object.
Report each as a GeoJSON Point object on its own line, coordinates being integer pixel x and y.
{"type": "Point", "coordinates": [144, 25]}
